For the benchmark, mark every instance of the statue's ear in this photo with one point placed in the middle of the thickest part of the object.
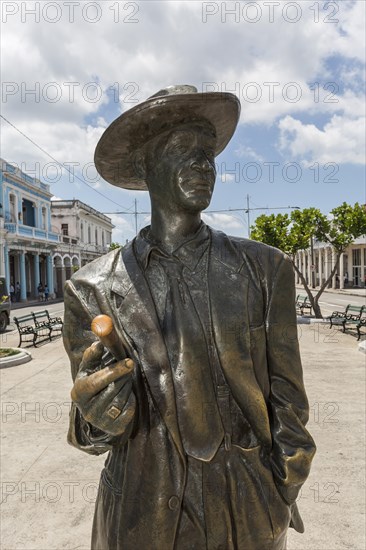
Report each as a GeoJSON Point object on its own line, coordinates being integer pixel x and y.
{"type": "Point", "coordinates": [139, 163]}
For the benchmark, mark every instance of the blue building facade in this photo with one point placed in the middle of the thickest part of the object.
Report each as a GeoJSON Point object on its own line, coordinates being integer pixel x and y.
{"type": "Point", "coordinates": [28, 242]}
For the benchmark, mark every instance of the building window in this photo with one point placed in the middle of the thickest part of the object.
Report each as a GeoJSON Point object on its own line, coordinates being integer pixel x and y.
{"type": "Point", "coordinates": [356, 256]}
{"type": "Point", "coordinates": [89, 234]}
{"type": "Point", "coordinates": [96, 236]}
{"type": "Point", "coordinates": [103, 243]}
{"type": "Point", "coordinates": [82, 232]}
{"type": "Point", "coordinates": [65, 228]}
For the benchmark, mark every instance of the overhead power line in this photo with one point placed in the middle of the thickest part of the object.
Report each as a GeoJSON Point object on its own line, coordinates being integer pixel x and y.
{"type": "Point", "coordinates": [61, 165]}
{"type": "Point", "coordinates": [247, 210]}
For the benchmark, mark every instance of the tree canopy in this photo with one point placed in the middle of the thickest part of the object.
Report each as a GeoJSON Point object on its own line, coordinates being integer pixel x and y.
{"type": "Point", "coordinates": [295, 232]}
{"type": "Point", "coordinates": [113, 246]}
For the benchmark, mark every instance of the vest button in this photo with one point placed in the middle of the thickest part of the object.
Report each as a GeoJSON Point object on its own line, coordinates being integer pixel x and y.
{"type": "Point", "coordinates": [173, 503]}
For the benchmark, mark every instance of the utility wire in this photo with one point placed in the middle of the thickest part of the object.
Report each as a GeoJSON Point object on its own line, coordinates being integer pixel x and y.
{"type": "Point", "coordinates": [62, 166]}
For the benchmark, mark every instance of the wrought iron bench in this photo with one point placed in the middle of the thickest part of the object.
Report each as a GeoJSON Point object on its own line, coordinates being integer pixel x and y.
{"type": "Point", "coordinates": [361, 323]}
{"type": "Point", "coordinates": [43, 319]}
{"type": "Point", "coordinates": [353, 317]}
{"type": "Point", "coordinates": [28, 331]}
{"type": "Point", "coordinates": [338, 317]}
{"type": "Point", "coordinates": [37, 327]}
{"type": "Point", "coordinates": [302, 302]}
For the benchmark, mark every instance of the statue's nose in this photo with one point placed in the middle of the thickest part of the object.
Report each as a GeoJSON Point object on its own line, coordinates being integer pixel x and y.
{"type": "Point", "coordinates": [201, 164]}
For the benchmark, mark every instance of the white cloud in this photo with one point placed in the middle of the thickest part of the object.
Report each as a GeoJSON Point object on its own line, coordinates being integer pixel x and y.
{"type": "Point", "coordinates": [68, 143]}
{"type": "Point", "coordinates": [155, 51]}
{"type": "Point", "coordinates": [123, 228]}
{"type": "Point", "coordinates": [225, 177]}
{"type": "Point", "coordinates": [169, 43]}
{"type": "Point", "coordinates": [244, 151]}
{"type": "Point", "coordinates": [342, 140]}
{"type": "Point", "coordinates": [223, 221]}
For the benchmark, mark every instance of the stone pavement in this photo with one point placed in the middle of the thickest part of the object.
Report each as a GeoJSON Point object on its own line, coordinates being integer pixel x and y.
{"type": "Point", "coordinates": [48, 488]}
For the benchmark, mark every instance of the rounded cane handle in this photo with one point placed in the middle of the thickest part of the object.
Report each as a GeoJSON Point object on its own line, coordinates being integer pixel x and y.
{"type": "Point", "coordinates": [102, 326]}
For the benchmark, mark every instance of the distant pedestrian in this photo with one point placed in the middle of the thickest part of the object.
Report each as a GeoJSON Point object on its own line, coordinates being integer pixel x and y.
{"type": "Point", "coordinates": [40, 292]}
{"type": "Point", "coordinates": [12, 292]}
{"type": "Point", "coordinates": [17, 292]}
{"type": "Point", "coordinates": [46, 293]}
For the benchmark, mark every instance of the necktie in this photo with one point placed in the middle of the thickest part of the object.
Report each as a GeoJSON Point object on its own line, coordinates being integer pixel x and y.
{"type": "Point", "coordinates": [198, 415]}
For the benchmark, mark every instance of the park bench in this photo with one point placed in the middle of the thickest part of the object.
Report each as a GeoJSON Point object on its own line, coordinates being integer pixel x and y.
{"type": "Point", "coordinates": [339, 317]}
{"type": "Point", "coordinates": [37, 327]}
{"type": "Point", "coordinates": [353, 317]}
{"type": "Point", "coordinates": [43, 319]}
{"type": "Point", "coordinates": [361, 323]}
{"type": "Point", "coordinates": [302, 302]}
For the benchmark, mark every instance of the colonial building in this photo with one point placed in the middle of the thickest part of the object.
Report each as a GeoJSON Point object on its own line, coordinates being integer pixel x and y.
{"type": "Point", "coordinates": [318, 263]}
{"type": "Point", "coordinates": [85, 235]}
{"type": "Point", "coordinates": [44, 241]}
{"type": "Point", "coordinates": [28, 239]}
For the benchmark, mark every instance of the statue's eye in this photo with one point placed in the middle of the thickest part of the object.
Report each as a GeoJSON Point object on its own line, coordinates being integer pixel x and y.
{"type": "Point", "coordinates": [179, 147]}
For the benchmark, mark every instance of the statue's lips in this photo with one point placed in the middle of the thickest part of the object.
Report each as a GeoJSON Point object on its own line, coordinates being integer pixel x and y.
{"type": "Point", "coordinates": [200, 184]}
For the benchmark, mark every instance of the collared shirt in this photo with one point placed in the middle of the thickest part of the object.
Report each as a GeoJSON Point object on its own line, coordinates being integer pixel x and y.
{"type": "Point", "coordinates": [192, 254]}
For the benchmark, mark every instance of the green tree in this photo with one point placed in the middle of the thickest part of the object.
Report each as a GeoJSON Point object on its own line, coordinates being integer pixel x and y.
{"type": "Point", "coordinates": [113, 246]}
{"type": "Point", "coordinates": [295, 232]}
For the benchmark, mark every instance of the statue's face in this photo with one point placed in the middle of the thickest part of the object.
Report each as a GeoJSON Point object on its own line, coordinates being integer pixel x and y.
{"type": "Point", "coordinates": [181, 168]}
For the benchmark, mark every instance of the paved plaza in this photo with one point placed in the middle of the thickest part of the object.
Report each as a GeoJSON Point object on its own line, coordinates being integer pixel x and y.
{"type": "Point", "coordinates": [49, 488]}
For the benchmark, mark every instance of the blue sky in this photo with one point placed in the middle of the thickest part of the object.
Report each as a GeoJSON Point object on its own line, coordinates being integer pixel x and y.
{"type": "Point", "coordinates": [297, 67]}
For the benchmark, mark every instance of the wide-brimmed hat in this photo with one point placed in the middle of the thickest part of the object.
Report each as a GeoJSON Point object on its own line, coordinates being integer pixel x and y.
{"type": "Point", "coordinates": [163, 111]}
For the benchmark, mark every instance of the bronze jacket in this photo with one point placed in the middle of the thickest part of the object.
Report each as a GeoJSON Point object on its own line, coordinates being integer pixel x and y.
{"type": "Point", "coordinates": [251, 291]}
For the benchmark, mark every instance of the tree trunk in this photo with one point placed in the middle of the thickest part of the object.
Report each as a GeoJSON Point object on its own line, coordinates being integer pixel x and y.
{"type": "Point", "coordinates": [314, 300]}
{"type": "Point", "coordinates": [314, 305]}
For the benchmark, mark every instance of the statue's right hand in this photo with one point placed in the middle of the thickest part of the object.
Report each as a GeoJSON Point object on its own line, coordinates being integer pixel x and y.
{"type": "Point", "coordinates": [101, 395]}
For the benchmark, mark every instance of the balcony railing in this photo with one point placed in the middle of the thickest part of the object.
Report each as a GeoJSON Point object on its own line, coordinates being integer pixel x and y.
{"type": "Point", "coordinates": [69, 239]}
{"type": "Point", "coordinates": [32, 232]}
{"type": "Point", "coordinates": [94, 249]}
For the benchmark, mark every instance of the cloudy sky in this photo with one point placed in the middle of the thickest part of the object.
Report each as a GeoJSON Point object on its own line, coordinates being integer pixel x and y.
{"type": "Point", "coordinates": [71, 67]}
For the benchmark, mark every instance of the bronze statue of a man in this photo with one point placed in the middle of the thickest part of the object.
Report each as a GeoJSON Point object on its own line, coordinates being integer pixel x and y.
{"type": "Point", "coordinates": [203, 407]}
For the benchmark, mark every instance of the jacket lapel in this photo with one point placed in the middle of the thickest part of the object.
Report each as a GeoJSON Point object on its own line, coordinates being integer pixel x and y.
{"type": "Point", "coordinates": [137, 317]}
{"type": "Point", "coordinates": [228, 288]}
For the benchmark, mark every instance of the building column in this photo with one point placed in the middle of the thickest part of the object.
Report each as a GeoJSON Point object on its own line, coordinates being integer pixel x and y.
{"type": "Point", "coordinates": [298, 265]}
{"type": "Point", "coordinates": [50, 274]}
{"type": "Point", "coordinates": [7, 266]}
{"type": "Point", "coordinates": [334, 278]}
{"type": "Point", "coordinates": [36, 271]}
{"type": "Point", "coordinates": [320, 264]}
{"type": "Point", "coordinates": [303, 267]}
{"type": "Point", "coordinates": [341, 272]}
{"type": "Point", "coordinates": [2, 254]}
{"type": "Point", "coordinates": [349, 266]}
{"type": "Point", "coordinates": [326, 263]}
{"type": "Point", "coordinates": [62, 275]}
{"type": "Point", "coordinates": [362, 274]}
{"type": "Point", "coordinates": [23, 282]}
{"type": "Point", "coordinates": [308, 255]}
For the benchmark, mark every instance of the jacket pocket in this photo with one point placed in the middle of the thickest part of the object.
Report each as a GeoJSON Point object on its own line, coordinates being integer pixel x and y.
{"type": "Point", "coordinates": [269, 515]}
